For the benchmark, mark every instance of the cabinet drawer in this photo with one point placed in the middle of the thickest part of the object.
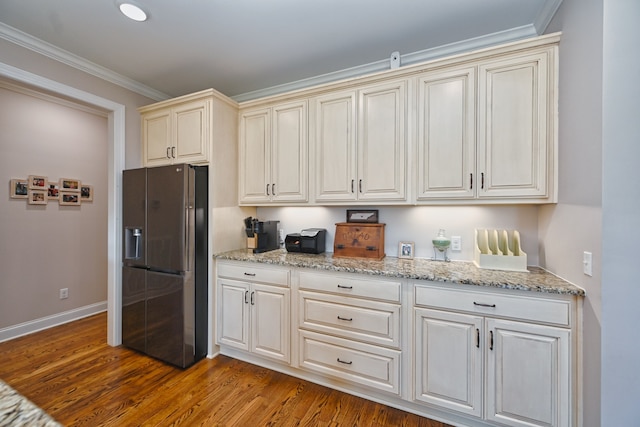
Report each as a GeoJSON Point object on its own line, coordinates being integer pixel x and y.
{"type": "Point", "coordinates": [386, 290]}
{"type": "Point", "coordinates": [492, 304]}
{"type": "Point", "coordinates": [370, 321]}
{"type": "Point", "coordinates": [251, 273]}
{"type": "Point", "coordinates": [347, 360]}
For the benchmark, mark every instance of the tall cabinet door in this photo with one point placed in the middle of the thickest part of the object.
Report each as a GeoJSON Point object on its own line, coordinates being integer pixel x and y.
{"type": "Point", "coordinates": [446, 134]}
{"type": "Point", "coordinates": [382, 141]}
{"type": "Point", "coordinates": [156, 137]}
{"type": "Point", "coordinates": [289, 153]}
{"type": "Point", "coordinates": [255, 156]}
{"type": "Point", "coordinates": [528, 374]}
{"type": "Point", "coordinates": [335, 147]}
{"type": "Point", "coordinates": [514, 126]}
{"type": "Point", "coordinates": [448, 363]}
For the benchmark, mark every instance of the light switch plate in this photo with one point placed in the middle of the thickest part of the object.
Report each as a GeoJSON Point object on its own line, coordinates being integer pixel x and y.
{"type": "Point", "coordinates": [456, 243]}
{"type": "Point", "coordinates": [587, 263]}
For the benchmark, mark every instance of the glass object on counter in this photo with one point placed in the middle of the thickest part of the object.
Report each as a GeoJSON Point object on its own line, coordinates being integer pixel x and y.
{"type": "Point", "coordinates": [441, 244]}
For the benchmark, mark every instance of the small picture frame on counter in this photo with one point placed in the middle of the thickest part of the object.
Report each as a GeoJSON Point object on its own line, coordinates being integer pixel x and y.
{"type": "Point", "coordinates": [369, 216]}
{"type": "Point", "coordinates": [405, 250]}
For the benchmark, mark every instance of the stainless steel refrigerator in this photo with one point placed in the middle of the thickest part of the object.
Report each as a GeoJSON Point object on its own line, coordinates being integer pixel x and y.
{"type": "Point", "coordinates": [164, 268]}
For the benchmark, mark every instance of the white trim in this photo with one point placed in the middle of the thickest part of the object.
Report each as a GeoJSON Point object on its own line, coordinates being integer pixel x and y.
{"type": "Point", "coordinates": [469, 45]}
{"type": "Point", "coordinates": [36, 325]}
{"type": "Point", "coordinates": [27, 41]}
{"type": "Point", "coordinates": [116, 123]}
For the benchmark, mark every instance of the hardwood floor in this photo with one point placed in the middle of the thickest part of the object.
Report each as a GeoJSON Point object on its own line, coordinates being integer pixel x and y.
{"type": "Point", "coordinates": [71, 372]}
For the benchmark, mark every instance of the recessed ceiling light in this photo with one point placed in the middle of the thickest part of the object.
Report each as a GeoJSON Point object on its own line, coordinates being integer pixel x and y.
{"type": "Point", "coordinates": [132, 11]}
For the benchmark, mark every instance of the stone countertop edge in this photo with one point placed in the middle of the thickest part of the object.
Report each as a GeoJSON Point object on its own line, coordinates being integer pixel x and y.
{"type": "Point", "coordinates": [460, 272]}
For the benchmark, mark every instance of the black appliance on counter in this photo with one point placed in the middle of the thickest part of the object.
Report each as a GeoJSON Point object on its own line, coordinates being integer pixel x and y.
{"type": "Point", "coordinates": [309, 240]}
{"type": "Point", "coordinates": [164, 264]}
{"type": "Point", "coordinates": [262, 236]}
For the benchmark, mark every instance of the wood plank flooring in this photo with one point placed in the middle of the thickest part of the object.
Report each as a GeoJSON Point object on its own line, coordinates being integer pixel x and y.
{"type": "Point", "coordinates": [71, 372]}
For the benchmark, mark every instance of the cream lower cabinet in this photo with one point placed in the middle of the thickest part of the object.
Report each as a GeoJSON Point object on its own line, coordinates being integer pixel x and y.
{"type": "Point", "coordinates": [509, 372]}
{"type": "Point", "coordinates": [253, 311]}
{"type": "Point", "coordinates": [349, 329]}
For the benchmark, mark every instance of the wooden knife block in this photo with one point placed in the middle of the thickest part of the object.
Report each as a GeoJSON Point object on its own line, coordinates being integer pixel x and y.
{"type": "Point", "coordinates": [357, 240]}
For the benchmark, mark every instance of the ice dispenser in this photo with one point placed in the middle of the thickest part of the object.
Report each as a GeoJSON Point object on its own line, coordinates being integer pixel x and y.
{"type": "Point", "coordinates": [132, 243]}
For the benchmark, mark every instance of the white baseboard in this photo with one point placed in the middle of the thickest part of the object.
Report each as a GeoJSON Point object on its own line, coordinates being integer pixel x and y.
{"type": "Point", "coordinates": [42, 323]}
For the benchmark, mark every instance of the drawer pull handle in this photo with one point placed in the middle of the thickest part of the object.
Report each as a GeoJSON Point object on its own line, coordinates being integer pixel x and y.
{"type": "Point", "coordinates": [342, 361]}
{"type": "Point", "coordinates": [340, 246]}
{"type": "Point", "coordinates": [484, 305]}
{"type": "Point", "coordinates": [345, 287]}
{"type": "Point", "coordinates": [348, 319]}
{"type": "Point", "coordinates": [250, 274]}
{"type": "Point", "coordinates": [372, 248]}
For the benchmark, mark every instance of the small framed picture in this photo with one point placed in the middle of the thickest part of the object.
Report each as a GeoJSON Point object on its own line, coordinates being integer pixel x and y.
{"type": "Point", "coordinates": [53, 190]}
{"type": "Point", "coordinates": [37, 197]}
{"type": "Point", "coordinates": [362, 215]}
{"type": "Point", "coordinates": [19, 188]}
{"type": "Point", "coordinates": [86, 193]}
{"type": "Point", "coordinates": [67, 184]}
{"type": "Point", "coordinates": [38, 182]}
{"type": "Point", "coordinates": [69, 199]}
{"type": "Point", "coordinates": [405, 250]}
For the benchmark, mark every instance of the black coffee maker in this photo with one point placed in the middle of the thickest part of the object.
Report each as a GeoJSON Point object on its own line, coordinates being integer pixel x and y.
{"type": "Point", "coordinates": [262, 236]}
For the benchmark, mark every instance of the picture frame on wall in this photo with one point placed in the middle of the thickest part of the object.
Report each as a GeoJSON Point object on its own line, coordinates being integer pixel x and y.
{"type": "Point", "coordinates": [68, 184]}
{"type": "Point", "coordinates": [53, 190]}
{"type": "Point", "coordinates": [19, 188]}
{"type": "Point", "coordinates": [69, 198]}
{"type": "Point", "coordinates": [37, 197]}
{"type": "Point", "coordinates": [405, 249]}
{"type": "Point", "coordinates": [38, 182]}
{"type": "Point", "coordinates": [86, 193]}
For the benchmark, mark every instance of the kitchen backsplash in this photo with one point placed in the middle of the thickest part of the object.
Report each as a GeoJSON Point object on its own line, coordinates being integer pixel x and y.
{"type": "Point", "coordinates": [419, 224]}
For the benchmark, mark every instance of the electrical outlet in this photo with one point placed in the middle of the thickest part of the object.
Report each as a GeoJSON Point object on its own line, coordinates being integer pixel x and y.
{"type": "Point", "coordinates": [587, 263]}
{"type": "Point", "coordinates": [64, 293]}
{"type": "Point", "coordinates": [456, 243]}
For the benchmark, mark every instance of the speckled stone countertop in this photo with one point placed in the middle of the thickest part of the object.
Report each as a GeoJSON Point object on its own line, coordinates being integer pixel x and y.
{"type": "Point", "coordinates": [18, 411]}
{"type": "Point", "coordinates": [461, 272]}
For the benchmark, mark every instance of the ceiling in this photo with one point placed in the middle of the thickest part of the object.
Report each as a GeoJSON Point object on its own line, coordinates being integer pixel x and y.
{"type": "Point", "coordinates": [250, 48]}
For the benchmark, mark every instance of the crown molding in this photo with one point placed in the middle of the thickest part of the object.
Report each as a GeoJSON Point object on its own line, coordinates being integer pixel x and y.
{"type": "Point", "coordinates": [34, 44]}
{"type": "Point", "coordinates": [546, 15]}
{"type": "Point", "coordinates": [464, 46]}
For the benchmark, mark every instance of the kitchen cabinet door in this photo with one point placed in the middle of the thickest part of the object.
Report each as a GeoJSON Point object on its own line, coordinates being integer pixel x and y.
{"type": "Point", "coordinates": [191, 131]}
{"type": "Point", "coordinates": [255, 156]}
{"type": "Point", "coordinates": [156, 137]}
{"type": "Point", "coordinates": [270, 322]}
{"type": "Point", "coordinates": [528, 374]}
{"type": "Point", "coordinates": [273, 154]}
{"type": "Point", "coordinates": [335, 147]}
{"type": "Point", "coordinates": [516, 135]}
{"type": "Point", "coordinates": [289, 172]}
{"type": "Point", "coordinates": [446, 134]}
{"type": "Point", "coordinates": [448, 360]}
{"type": "Point", "coordinates": [233, 314]}
{"type": "Point", "coordinates": [382, 142]}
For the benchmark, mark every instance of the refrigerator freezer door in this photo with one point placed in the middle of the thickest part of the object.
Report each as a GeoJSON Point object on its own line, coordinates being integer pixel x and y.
{"type": "Point", "coordinates": [134, 184]}
{"type": "Point", "coordinates": [133, 307]}
{"type": "Point", "coordinates": [168, 209]}
{"type": "Point", "coordinates": [166, 319]}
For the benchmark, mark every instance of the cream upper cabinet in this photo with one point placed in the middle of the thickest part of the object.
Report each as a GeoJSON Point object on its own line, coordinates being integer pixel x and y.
{"type": "Point", "coordinates": [516, 132]}
{"type": "Point", "coordinates": [177, 132]}
{"type": "Point", "coordinates": [360, 141]}
{"type": "Point", "coordinates": [273, 154]}
{"type": "Point", "coordinates": [446, 134]}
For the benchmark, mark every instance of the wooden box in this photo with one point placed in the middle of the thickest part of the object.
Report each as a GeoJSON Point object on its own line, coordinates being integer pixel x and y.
{"type": "Point", "coordinates": [359, 240]}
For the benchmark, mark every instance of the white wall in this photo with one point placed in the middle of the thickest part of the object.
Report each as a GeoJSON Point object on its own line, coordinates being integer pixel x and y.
{"type": "Point", "coordinates": [620, 214]}
{"type": "Point", "coordinates": [419, 224]}
{"type": "Point", "coordinates": [45, 248]}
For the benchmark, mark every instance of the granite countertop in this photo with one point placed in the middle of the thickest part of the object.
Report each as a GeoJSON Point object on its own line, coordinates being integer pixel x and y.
{"type": "Point", "coordinates": [16, 410]}
{"type": "Point", "coordinates": [461, 272]}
